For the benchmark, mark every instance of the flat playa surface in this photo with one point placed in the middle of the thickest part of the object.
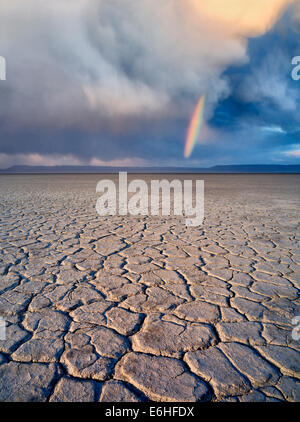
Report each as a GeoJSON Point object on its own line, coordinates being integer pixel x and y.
{"type": "Point", "coordinates": [144, 308]}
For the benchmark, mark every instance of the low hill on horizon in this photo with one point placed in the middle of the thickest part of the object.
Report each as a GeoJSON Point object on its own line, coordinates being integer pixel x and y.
{"type": "Point", "coordinates": [232, 169]}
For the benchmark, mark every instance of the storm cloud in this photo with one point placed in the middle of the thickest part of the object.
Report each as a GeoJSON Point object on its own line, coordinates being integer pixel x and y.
{"type": "Point", "coordinates": [115, 80]}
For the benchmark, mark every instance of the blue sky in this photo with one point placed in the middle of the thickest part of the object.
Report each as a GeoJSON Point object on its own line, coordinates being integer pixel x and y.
{"type": "Point", "coordinates": [261, 114]}
{"type": "Point", "coordinates": [116, 82]}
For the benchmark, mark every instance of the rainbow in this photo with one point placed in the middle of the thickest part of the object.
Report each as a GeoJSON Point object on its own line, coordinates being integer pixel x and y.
{"type": "Point", "coordinates": [194, 127]}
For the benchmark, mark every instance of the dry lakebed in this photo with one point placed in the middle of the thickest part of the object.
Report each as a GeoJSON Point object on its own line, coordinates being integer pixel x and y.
{"type": "Point", "coordinates": [124, 308]}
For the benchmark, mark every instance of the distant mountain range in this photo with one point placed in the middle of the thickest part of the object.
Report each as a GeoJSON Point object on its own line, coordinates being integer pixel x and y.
{"type": "Point", "coordinates": [247, 168]}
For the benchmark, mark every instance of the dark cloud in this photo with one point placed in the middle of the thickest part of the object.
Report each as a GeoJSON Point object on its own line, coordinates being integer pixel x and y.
{"type": "Point", "coordinates": [118, 80]}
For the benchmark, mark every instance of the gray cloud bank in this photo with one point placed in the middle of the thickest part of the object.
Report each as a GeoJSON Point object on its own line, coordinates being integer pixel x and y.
{"type": "Point", "coordinates": [108, 67]}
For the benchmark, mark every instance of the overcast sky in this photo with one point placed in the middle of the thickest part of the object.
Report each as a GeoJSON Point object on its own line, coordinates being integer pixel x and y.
{"type": "Point", "coordinates": [115, 82]}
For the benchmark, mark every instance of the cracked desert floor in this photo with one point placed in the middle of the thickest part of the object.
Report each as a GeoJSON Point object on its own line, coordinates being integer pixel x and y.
{"type": "Point", "coordinates": [145, 308]}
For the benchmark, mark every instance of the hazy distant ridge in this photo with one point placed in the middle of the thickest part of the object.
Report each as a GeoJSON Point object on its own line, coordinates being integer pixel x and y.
{"type": "Point", "coordinates": [248, 168]}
